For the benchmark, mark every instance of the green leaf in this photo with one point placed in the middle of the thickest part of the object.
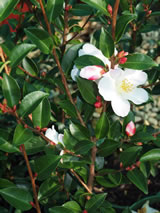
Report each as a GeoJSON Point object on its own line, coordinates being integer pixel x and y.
{"type": "Point", "coordinates": [54, 8]}
{"type": "Point", "coordinates": [41, 115]}
{"type": "Point", "coordinates": [138, 179]}
{"type": "Point", "coordinates": [100, 5]}
{"type": "Point", "coordinates": [102, 126]}
{"type": "Point", "coordinates": [48, 188]}
{"type": "Point", "coordinates": [19, 52]}
{"type": "Point", "coordinates": [7, 147]}
{"type": "Point", "coordinates": [74, 206]}
{"type": "Point", "coordinates": [128, 156]}
{"type": "Point", "coordinates": [68, 108]}
{"type": "Point", "coordinates": [60, 209]}
{"type": "Point", "coordinates": [122, 23]}
{"type": "Point", "coordinates": [79, 132]}
{"type": "Point", "coordinates": [115, 130]}
{"type": "Point", "coordinates": [30, 66]}
{"type": "Point", "coordinates": [81, 10]}
{"type": "Point", "coordinates": [95, 202]}
{"type": "Point", "coordinates": [11, 90]}
{"type": "Point", "coordinates": [83, 147]}
{"type": "Point", "coordinates": [108, 147]}
{"type": "Point", "coordinates": [142, 136]}
{"type": "Point", "coordinates": [21, 135]}
{"type": "Point", "coordinates": [86, 88]}
{"type": "Point", "coordinates": [45, 165]}
{"type": "Point", "coordinates": [115, 178]}
{"type": "Point", "coordinates": [139, 61]}
{"type": "Point", "coordinates": [106, 43]}
{"type": "Point", "coordinates": [6, 7]}
{"type": "Point", "coordinates": [69, 57]}
{"type": "Point", "coordinates": [17, 197]}
{"type": "Point", "coordinates": [40, 38]}
{"type": "Point", "coordinates": [152, 155]}
{"type": "Point", "coordinates": [4, 183]}
{"type": "Point", "coordinates": [69, 140]}
{"type": "Point", "coordinates": [105, 181]}
{"type": "Point", "coordinates": [30, 102]}
{"type": "Point", "coordinates": [88, 60]}
{"type": "Point", "coordinates": [35, 145]}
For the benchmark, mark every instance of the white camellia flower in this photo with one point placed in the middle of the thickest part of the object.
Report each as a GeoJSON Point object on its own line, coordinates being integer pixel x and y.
{"type": "Point", "coordinates": [54, 136]}
{"type": "Point", "coordinates": [90, 72]}
{"type": "Point", "coordinates": [120, 86]}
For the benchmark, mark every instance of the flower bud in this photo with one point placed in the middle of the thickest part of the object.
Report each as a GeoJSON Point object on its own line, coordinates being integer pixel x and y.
{"type": "Point", "coordinates": [98, 104]}
{"type": "Point", "coordinates": [68, 7]}
{"type": "Point", "coordinates": [109, 8]}
{"type": "Point", "coordinates": [122, 54]}
{"type": "Point", "coordinates": [122, 60]}
{"type": "Point", "coordinates": [85, 211]}
{"type": "Point", "coordinates": [32, 204]}
{"type": "Point", "coordinates": [38, 128]}
{"type": "Point", "coordinates": [130, 129]}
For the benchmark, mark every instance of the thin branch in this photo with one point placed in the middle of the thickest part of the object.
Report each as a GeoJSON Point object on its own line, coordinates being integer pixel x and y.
{"type": "Point", "coordinates": [77, 33]}
{"type": "Point", "coordinates": [32, 179]}
{"type": "Point", "coordinates": [81, 181]}
{"type": "Point", "coordinates": [27, 73]}
{"type": "Point", "coordinates": [3, 60]}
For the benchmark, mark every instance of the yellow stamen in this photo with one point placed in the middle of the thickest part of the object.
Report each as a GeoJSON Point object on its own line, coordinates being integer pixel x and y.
{"type": "Point", "coordinates": [126, 86]}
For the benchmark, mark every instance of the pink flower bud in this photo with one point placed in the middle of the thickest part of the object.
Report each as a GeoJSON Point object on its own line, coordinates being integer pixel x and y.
{"type": "Point", "coordinates": [122, 54]}
{"type": "Point", "coordinates": [109, 8]}
{"type": "Point", "coordinates": [92, 72]}
{"type": "Point", "coordinates": [98, 104]}
{"type": "Point", "coordinates": [122, 60]}
{"type": "Point", "coordinates": [139, 144]}
{"type": "Point", "coordinates": [32, 204]}
{"type": "Point", "coordinates": [130, 129]}
{"type": "Point", "coordinates": [85, 211]}
{"type": "Point", "coordinates": [98, 98]}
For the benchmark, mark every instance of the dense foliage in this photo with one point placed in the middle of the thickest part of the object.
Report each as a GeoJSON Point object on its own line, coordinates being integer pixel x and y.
{"type": "Point", "coordinates": [71, 74]}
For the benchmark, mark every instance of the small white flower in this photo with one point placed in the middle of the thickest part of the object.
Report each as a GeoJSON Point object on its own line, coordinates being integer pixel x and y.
{"type": "Point", "coordinates": [53, 135]}
{"type": "Point", "coordinates": [119, 86]}
{"type": "Point", "coordinates": [88, 72]}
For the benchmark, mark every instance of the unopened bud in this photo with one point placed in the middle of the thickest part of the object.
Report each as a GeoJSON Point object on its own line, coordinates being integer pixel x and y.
{"type": "Point", "coordinates": [38, 128]}
{"type": "Point", "coordinates": [35, 175]}
{"type": "Point", "coordinates": [43, 74]}
{"type": "Point", "coordinates": [20, 148]}
{"type": "Point", "coordinates": [44, 129]}
{"type": "Point", "coordinates": [32, 204]}
{"type": "Point", "coordinates": [139, 143]}
{"type": "Point", "coordinates": [14, 108]}
{"type": "Point", "coordinates": [98, 104]}
{"type": "Point", "coordinates": [109, 22]}
{"type": "Point", "coordinates": [85, 211]}
{"type": "Point", "coordinates": [122, 60]}
{"type": "Point", "coordinates": [138, 163]}
{"type": "Point", "coordinates": [130, 129]}
{"type": "Point", "coordinates": [98, 98]}
{"type": "Point", "coordinates": [25, 126]}
{"type": "Point", "coordinates": [109, 8]}
{"type": "Point", "coordinates": [149, 12]}
{"type": "Point", "coordinates": [122, 54]}
{"type": "Point", "coordinates": [68, 7]}
{"type": "Point", "coordinates": [1, 78]}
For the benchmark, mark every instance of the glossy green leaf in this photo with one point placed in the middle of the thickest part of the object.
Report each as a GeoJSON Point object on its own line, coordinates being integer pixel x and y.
{"type": "Point", "coordinates": [30, 66]}
{"type": "Point", "coordinates": [115, 178]}
{"type": "Point", "coordinates": [106, 43]}
{"type": "Point", "coordinates": [60, 209]}
{"type": "Point", "coordinates": [40, 38]}
{"type": "Point", "coordinates": [41, 115]}
{"type": "Point", "coordinates": [7, 147]}
{"type": "Point", "coordinates": [79, 132]}
{"type": "Point", "coordinates": [121, 25]}
{"type": "Point", "coordinates": [69, 57]}
{"type": "Point", "coordinates": [83, 147]}
{"type": "Point", "coordinates": [73, 206]}
{"type": "Point", "coordinates": [152, 155]}
{"type": "Point", "coordinates": [17, 197]}
{"type": "Point", "coordinates": [35, 145]}
{"type": "Point", "coordinates": [108, 147]}
{"type": "Point", "coordinates": [86, 88]}
{"type": "Point", "coordinates": [30, 102]}
{"type": "Point", "coordinates": [6, 7]}
{"type": "Point", "coordinates": [68, 108]}
{"type": "Point", "coordinates": [11, 90]}
{"type": "Point", "coordinates": [138, 179]}
{"type": "Point", "coordinates": [128, 156]}
{"type": "Point", "coordinates": [115, 130]}
{"type": "Point", "coordinates": [81, 10]}
{"type": "Point", "coordinates": [69, 140]}
{"type": "Point", "coordinates": [100, 5]}
{"type": "Point", "coordinates": [139, 61]}
{"type": "Point", "coordinates": [105, 181]}
{"type": "Point", "coordinates": [45, 165]}
{"type": "Point", "coordinates": [88, 60]}
{"type": "Point", "coordinates": [48, 188]}
{"type": "Point", "coordinates": [19, 52]}
{"type": "Point", "coordinates": [21, 135]}
{"type": "Point", "coordinates": [4, 183]}
{"type": "Point", "coordinates": [54, 9]}
{"type": "Point", "coordinates": [95, 202]}
{"type": "Point", "coordinates": [102, 126]}
{"type": "Point", "coordinates": [142, 136]}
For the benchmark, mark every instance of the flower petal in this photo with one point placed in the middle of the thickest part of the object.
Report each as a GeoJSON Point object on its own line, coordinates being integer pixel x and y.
{"type": "Point", "coordinates": [74, 73]}
{"type": "Point", "coordinates": [91, 72]}
{"type": "Point", "coordinates": [120, 106]}
{"type": "Point", "coordinates": [137, 96]}
{"type": "Point", "coordinates": [106, 86]}
{"type": "Point", "coordinates": [50, 134]}
{"type": "Point", "coordinates": [89, 49]}
{"type": "Point", "coordinates": [116, 73]}
{"type": "Point", "coordinates": [136, 77]}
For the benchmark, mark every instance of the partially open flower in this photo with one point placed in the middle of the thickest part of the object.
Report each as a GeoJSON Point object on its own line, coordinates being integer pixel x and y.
{"type": "Point", "coordinates": [130, 129]}
{"type": "Point", "coordinates": [120, 86]}
{"type": "Point", "coordinates": [53, 135]}
{"type": "Point", "coordinates": [92, 72]}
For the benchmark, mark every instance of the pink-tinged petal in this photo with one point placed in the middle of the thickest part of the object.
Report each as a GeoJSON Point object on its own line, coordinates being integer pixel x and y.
{"type": "Point", "coordinates": [91, 72]}
{"type": "Point", "coordinates": [137, 96]}
{"type": "Point", "coordinates": [120, 106]}
{"type": "Point", "coordinates": [136, 77]}
{"type": "Point", "coordinates": [130, 129]}
{"type": "Point", "coordinates": [106, 86]}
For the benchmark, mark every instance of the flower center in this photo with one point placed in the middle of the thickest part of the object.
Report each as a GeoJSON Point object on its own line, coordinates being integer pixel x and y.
{"type": "Point", "coordinates": [126, 86]}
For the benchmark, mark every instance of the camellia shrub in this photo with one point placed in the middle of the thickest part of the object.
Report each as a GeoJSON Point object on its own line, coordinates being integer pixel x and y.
{"type": "Point", "coordinates": [72, 75]}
